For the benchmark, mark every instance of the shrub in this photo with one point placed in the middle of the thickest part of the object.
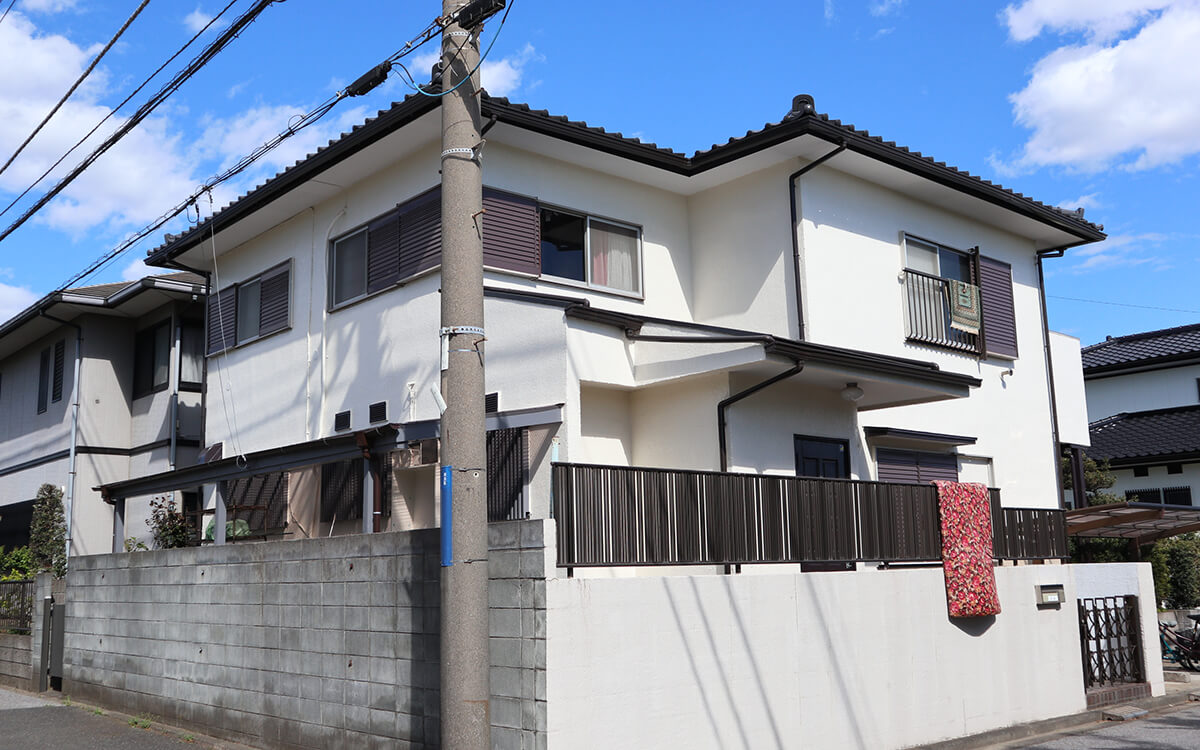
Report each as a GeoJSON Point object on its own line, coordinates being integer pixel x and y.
{"type": "Point", "coordinates": [48, 531]}
{"type": "Point", "coordinates": [1182, 561]}
{"type": "Point", "coordinates": [168, 525]}
{"type": "Point", "coordinates": [17, 565]}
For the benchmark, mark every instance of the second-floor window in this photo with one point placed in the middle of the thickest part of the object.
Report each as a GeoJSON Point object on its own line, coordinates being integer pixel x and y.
{"type": "Point", "coordinates": [592, 251]}
{"type": "Point", "coordinates": [958, 300]}
{"type": "Point", "coordinates": [152, 359]}
{"type": "Point", "coordinates": [249, 310]}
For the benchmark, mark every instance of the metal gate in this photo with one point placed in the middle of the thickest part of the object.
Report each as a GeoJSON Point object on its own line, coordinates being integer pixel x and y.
{"type": "Point", "coordinates": [1110, 636]}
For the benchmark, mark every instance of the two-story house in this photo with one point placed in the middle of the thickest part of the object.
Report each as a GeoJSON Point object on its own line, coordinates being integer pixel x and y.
{"type": "Point", "coordinates": [99, 384]}
{"type": "Point", "coordinates": [1143, 400]}
{"type": "Point", "coordinates": [806, 299]}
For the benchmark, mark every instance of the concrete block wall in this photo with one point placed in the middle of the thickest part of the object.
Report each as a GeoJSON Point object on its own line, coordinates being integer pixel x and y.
{"type": "Point", "coordinates": [16, 661]}
{"type": "Point", "coordinates": [319, 643]}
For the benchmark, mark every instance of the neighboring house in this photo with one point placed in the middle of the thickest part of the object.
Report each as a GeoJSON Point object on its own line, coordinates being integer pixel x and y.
{"type": "Point", "coordinates": [98, 384]}
{"type": "Point", "coordinates": [1143, 397]}
{"type": "Point", "coordinates": [805, 299]}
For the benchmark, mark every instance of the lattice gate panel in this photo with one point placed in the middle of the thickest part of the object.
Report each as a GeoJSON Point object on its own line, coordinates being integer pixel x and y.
{"type": "Point", "coordinates": [1110, 638]}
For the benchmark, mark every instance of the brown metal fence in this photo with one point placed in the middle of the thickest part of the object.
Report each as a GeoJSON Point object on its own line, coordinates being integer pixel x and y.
{"type": "Point", "coordinates": [16, 606]}
{"type": "Point", "coordinates": [928, 313]}
{"type": "Point", "coordinates": [1110, 637]}
{"type": "Point", "coordinates": [617, 515]}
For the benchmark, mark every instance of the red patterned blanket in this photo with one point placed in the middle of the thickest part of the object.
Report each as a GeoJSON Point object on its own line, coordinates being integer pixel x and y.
{"type": "Point", "coordinates": [967, 549]}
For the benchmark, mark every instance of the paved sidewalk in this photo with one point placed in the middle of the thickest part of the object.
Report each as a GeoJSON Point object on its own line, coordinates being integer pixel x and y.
{"type": "Point", "coordinates": [31, 721]}
{"type": "Point", "coordinates": [1177, 730]}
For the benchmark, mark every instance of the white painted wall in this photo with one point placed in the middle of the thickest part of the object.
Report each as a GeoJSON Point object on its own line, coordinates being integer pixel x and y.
{"type": "Point", "coordinates": [741, 245]}
{"type": "Point", "coordinates": [852, 230]}
{"type": "Point", "coordinates": [1158, 478]}
{"type": "Point", "coordinates": [606, 430]}
{"type": "Point", "coordinates": [1142, 391]}
{"type": "Point", "coordinates": [837, 660]}
{"type": "Point", "coordinates": [1070, 397]}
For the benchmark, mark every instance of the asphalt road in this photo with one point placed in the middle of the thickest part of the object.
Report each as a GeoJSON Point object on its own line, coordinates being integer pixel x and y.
{"type": "Point", "coordinates": [27, 721]}
{"type": "Point", "coordinates": [1177, 730]}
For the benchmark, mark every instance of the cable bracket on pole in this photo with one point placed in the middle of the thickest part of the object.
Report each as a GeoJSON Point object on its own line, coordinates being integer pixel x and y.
{"type": "Point", "coordinates": [460, 150]}
{"type": "Point", "coordinates": [447, 332]}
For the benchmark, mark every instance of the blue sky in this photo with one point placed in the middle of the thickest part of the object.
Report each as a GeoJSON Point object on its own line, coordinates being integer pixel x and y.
{"type": "Point", "coordinates": [1092, 103]}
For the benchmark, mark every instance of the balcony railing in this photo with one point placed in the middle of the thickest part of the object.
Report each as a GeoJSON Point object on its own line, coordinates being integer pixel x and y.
{"type": "Point", "coordinates": [927, 307]}
{"type": "Point", "coordinates": [623, 516]}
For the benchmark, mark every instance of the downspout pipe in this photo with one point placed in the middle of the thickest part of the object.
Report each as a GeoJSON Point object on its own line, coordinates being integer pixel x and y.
{"type": "Point", "coordinates": [793, 185]}
{"type": "Point", "coordinates": [1053, 252]}
{"type": "Point", "coordinates": [722, 440]}
{"type": "Point", "coordinates": [69, 511]}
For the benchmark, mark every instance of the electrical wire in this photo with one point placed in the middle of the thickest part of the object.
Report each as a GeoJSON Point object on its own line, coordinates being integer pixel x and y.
{"type": "Point", "coordinates": [146, 109]}
{"type": "Point", "coordinates": [116, 109]}
{"type": "Point", "coordinates": [1124, 304]}
{"type": "Point", "coordinates": [79, 81]}
{"type": "Point", "coordinates": [295, 126]}
{"type": "Point", "coordinates": [478, 65]}
{"type": "Point", "coordinates": [6, 10]}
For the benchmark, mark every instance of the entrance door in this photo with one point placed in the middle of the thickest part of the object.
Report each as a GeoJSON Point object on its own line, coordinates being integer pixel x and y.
{"type": "Point", "coordinates": [825, 458]}
{"type": "Point", "coordinates": [822, 457]}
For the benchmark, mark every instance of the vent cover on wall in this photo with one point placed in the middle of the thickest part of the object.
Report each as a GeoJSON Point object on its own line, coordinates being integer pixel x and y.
{"type": "Point", "coordinates": [341, 421]}
{"type": "Point", "coordinates": [377, 412]}
{"type": "Point", "coordinates": [491, 403]}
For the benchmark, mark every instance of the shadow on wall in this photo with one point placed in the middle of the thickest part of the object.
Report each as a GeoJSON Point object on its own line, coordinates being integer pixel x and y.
{"type": "Point", "coordinates": [722, 696]}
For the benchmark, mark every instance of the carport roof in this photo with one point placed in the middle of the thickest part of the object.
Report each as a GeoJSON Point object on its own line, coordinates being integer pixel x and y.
{"type": "Point", "coordinates": [1145, 522]}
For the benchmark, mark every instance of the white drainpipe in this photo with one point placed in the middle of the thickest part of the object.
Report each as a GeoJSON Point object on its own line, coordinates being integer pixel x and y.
{"type": "Point", "coordinates": [70, 498]}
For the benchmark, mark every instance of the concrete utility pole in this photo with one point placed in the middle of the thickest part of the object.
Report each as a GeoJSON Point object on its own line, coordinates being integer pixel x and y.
{"type": "Point", "coordinates": [465, 717]}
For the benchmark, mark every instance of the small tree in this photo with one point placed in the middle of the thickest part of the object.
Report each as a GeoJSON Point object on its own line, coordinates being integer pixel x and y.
{"type": "Point", "coordinates": [48, 531]}
{"type": "Point", "coordinates": [168, 525]}
{"type": "Point", "coordinates": [1097, 478]}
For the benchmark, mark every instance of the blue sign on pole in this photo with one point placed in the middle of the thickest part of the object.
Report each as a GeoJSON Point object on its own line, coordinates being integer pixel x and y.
{"type": "Point", "coordinates": [447, 516]}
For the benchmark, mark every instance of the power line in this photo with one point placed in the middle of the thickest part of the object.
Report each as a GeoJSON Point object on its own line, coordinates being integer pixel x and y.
{"type": "Point", "coordinates": [116, 109]}
{"type": "Point", "coordinates": [6, 10]}
{"type": "Point", "coordinates": [361, 86]}
{"type": "Point", "coordinates": [146, 109]}
{"type": "Point", "coordinates": [78, 82]}
{"type": "Point", "coordinates": [1124, 304]}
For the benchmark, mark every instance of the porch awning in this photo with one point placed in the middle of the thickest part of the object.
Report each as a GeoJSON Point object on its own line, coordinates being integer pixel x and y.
{"type": "Point", "coordinates": [1145, 522]}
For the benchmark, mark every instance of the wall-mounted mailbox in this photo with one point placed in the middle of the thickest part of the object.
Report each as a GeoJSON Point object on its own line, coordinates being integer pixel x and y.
{"type": "Point", "coordinates": [1051, 595]}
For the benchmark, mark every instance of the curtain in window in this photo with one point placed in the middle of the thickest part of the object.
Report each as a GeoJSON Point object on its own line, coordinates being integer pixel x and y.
{"type": "Point", "coordinates": [614, 256]}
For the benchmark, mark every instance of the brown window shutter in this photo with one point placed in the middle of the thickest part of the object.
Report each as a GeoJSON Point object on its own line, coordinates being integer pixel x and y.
{"type": "Point", "coordinates": [222, 320]}
{"type": "Point", "coordinates": [341, 490]}
{"type": "Point", "coordinates": [60, 352]}
{"type": "Point", "coordinates": [274, 302]}
{"type": "Point", "coordinates": [383, 252]}
{"type": "Point", "coordinates": [999, 317]}
{"type": "Point", "coordinates": [421, 233]}
{"type": "Point", "coordinates": [510, 232]}
{"type": "Point", "coordinates": [915, 467]}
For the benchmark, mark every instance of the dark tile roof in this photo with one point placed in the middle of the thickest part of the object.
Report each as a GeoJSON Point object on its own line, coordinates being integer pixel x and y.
{"type": "Point", "coordinates": [793, 125]}
{"type": "Point", "coordinates": [1142, 348]}
{"type": "Point", "coordinates": [104, 291]}
{"type": "Point", "coordinates": [1160, 433]}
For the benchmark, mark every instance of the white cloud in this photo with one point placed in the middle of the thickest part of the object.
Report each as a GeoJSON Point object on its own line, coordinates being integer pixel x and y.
{"type": "Point", "coordinates": [1101, 20]}
{"type": "Point", "coordinates": [828, 11]}
{"type": "Point", "coordinates": [14, 299]}
{"type": "Point", "coordinates": [1131, 102]}
{"type": "Point", "coordinates": [1089, 202]}
{"type": "Point", "coordinates": [196, 20]}
{"type": "Point", "coordinates": [1120, 251]}
{"type": "Point", "coordinates": [884, 7]}
{"type": "Point", "coordinates": [138, 269]}
{"type": "Point", "coordinates": [500, 77]}
{"type": "Point", "coordinates": [47, 6]}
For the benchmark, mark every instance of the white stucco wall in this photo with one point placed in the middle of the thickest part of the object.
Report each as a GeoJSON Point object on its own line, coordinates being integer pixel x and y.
{"type": "Point", "coordinates": [1070, 398]}
{"type": "Point", "coordinates": [853, 229]}
{"type": "Point", "coordinates": [1158, 478]}
{"type": "Point", "coordinates": [1142, 391]}
{"type": "Point", "coordinates": [846, 660]}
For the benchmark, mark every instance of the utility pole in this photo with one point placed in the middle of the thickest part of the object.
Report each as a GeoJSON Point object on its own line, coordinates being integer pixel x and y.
{"type": "Point", "coordinates": [465, 713]}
